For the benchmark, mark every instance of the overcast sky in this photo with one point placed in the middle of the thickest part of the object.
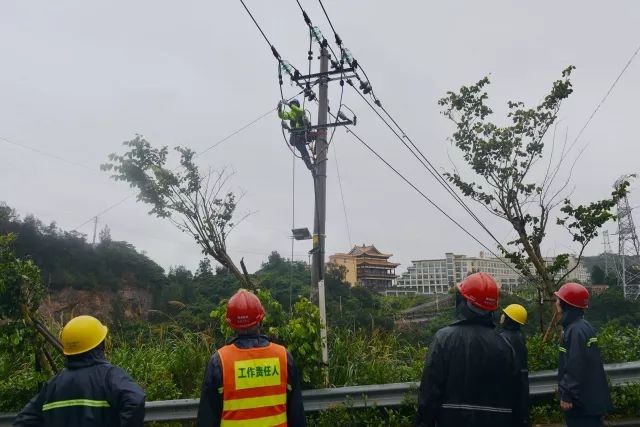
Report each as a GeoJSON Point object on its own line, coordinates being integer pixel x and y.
{"type": "Point", "coordinates": [78, 78]}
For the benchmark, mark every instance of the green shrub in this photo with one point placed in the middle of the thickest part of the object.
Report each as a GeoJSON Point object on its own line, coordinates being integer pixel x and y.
{"type": "Point", "coordinates": [377, 357]}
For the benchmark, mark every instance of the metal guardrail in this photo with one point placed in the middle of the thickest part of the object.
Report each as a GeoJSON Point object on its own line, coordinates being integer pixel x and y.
{"type": "Point", "coordinates": [541, 383]}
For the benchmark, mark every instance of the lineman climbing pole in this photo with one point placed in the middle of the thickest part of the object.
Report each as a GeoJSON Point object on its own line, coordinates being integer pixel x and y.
{"type": "Point", "coordinates": [319, 171]}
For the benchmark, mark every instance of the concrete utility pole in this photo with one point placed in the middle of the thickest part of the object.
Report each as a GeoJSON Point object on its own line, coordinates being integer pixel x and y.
{"type": "Point", "coordinates": [320, 178]}
{"type": "Point", "coordinates": [320, 211]}
{"type": "Point", "coordinates": [95, 229]}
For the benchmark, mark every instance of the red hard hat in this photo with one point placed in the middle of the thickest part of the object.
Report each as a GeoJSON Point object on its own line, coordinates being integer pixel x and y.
{"type": "Point", "coordinates": [481, 290]}
{"type": "Point", "coordinates": [244, 310]}
{"type": "Point", "coordinates": [574, 294]}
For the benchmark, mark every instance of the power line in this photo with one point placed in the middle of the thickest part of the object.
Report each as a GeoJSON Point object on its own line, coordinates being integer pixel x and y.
{"type": "Point", "coordinates": [431, 169]}
{"type": "Point", "coordinates": [237, 131]}
{"type": "Point", "coordinates": [275, 53]}
{"type": "Point", "coordinates": [47, 154]}
{"type": "Point", "coordinates": [613, 85]}
{"type": "Point", "coordinates": [273, 49]}
{"type": "Point", "coordinates": [339, 42]}
{"type": "Point", "coordinates": [435, 205]}
{"type": "Point", "coordinates": [104, 211]}
{"type": "Point", "coordinates": [211, 147]}
{"type": "Point", "coordinates": [307, 21]}
{"type": "Point", "coordinates": [329, 19]}
{"type": "Point", "coordinates": [344, 205]}
{"type": "Point", "coordinates": [428, 165]}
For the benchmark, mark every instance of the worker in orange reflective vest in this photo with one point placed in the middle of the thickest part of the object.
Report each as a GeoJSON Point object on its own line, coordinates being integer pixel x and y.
{"type": "Point", "coordinates": [250, 382]}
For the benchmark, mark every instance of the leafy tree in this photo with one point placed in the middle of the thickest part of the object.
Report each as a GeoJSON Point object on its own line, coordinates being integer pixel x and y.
{"type": "Point", "coordinates": [66, 259]}
{"type": "Point", "coordinates": [502, 159]}
{"type": "Point", "coordinates": [194, 202]}
{"type": "Point", "coordinates": [105, 235]}
{"type": "Point", "coordinates": [21, 290]}
{"type": "Point", "coordinates": [598, 275]}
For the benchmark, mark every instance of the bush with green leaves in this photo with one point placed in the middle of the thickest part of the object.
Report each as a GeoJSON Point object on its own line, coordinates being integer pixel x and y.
{"type": "Point", "coordinates": [168, 363]}
{"type": "Point", "coordinates": [299, 331]}
{"type": "Point", "coordinates": [378, 357]}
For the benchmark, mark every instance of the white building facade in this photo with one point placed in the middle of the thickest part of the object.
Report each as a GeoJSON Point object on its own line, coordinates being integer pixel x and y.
{"type": "Point", "coordinates": [437, 276]}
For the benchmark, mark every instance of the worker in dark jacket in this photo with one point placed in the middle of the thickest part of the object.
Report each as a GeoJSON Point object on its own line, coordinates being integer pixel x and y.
{"type": "Point", "coordinates": [514, 316]}
{"type": "Point", "coordinates": [250, 381]}
{"type": "Point", "coordinates": [469, 378]}
{"type": "Point", "coordinates": [582, 382]}
{"type": "Point", "coordinates": [299, 125]}
{"type": "Point", "coordinates": [89, 391]}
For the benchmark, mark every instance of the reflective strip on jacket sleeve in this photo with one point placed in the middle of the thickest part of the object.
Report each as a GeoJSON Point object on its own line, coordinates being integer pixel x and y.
{"type": "Point", "coordinates": [476, 408]}
{"type": "Point", "coordinates": [76, 402]}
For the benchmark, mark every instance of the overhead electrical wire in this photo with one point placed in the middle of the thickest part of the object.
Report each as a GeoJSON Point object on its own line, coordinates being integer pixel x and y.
{"type": "Point", "coordinates": [389, 165]}
{"type": "Point", "coordinates": [428, 165]}
{"type": "Point", "coordinates": [275, 52]}
{"type": "Point", "coordinates": [337, 62]}
{"type": "Point", "coordinates": [328, 19]}
{"type": "Point", "coordinates": [613, 85]}
{"type": "Point", "coordinates": [104, 211]}
{"type": "Point", "coordinates": [47, 154]}
{"type": "Point", "coordinates": [440, 179]}
{"type": "Point", "coordinates": [200, 153]}
{"type": "Point", "coordinates": [400, 174]}
{"type": "Point", "coordinates": [443, 181]}
{"type": "Point", "coordinates": [431, 169]}
{"type": "Point", "coordinates": [429, 200]}
{"type": "Point", "coordinates": [273, 49]}
{"type": "Point", "coordinates": [403, 135]}
{"type": "Point", "coordinates": [344, 205]}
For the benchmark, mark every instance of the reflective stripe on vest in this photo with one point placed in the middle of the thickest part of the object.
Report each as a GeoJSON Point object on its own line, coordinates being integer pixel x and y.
{"type": "Point", "coordinates": [75, 402]}
{"type": "Point", "coordinates": [254, 392]}
{"type": "Point", "coordinates": [476, 408]}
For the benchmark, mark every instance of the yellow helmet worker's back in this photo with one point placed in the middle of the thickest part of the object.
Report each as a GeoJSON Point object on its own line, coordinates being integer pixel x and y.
{"type": "Point", "coordinates": [517, 313]}
{"type": "Point", "coordinates": [81, 334]}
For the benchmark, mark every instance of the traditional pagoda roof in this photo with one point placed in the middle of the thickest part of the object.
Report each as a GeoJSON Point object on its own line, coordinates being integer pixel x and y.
{"type": "Point", "coordinates": [370, 250]}
{"type": "Point", "coordinates": [376, 263]}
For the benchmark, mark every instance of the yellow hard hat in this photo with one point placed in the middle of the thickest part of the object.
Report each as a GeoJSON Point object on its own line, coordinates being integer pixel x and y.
{"type": "Point", "coordinates": [82, 334]}
{"type": "Point", "coordinates": [517, 313]}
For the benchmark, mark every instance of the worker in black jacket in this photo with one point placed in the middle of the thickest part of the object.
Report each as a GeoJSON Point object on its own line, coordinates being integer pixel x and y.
{"type": "Point", "coordinates": [250, 381]}
{"type": "Point", "coordinates": [582, 382]}
{"type": "Point", "coordinates": [89, 391]}
{"type": "Point", "coordinates": [513, 318]}
{"type": "Point", "coordinates": [469, 378]}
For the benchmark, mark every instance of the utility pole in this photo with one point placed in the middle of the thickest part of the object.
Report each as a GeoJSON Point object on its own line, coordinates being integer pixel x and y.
{"type": "Point", "coordinates": [320, 175]}
{"type": "Point", "coordinates": [320, 211]}
{"type": "Point", "coordinates": [95, 229]}
{"type": "Point", "coordinates": [607, 251]}
{"type": "Point", "coordinates": [320, 179]}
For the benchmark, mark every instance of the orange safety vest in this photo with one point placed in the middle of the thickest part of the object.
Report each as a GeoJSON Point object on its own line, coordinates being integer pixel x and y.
{"type": "Point", "coordinates": [254, 386]}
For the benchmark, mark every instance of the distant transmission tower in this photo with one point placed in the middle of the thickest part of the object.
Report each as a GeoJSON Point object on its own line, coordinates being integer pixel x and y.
{"type": "Point", "coordinates": [608, 260]}
{"type": "Point", "coordinates": [628, 269]}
